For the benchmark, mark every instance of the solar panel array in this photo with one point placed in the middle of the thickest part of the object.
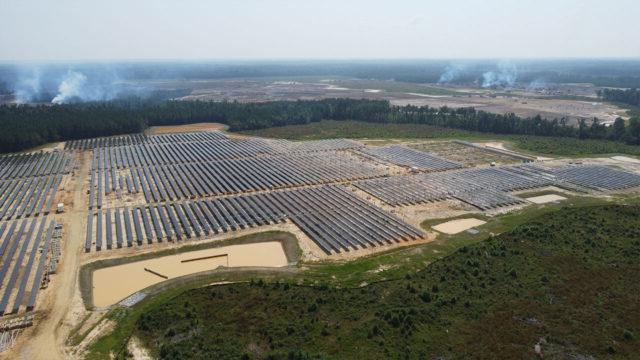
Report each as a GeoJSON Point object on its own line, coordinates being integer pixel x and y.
{"type": "Point", "coordinates": [488, 188]}
{"type": "Point", "coordinates": [404, 156]}
{"type": "Point", "coordinates": [199, 184]}
{"type": "Point", "coordinates": [485, 188]}
{"type": "Point", "coordinates": [28, 183]}
{"type": "Point", "coordinates": [135, 139]}
{"type": "Point", "coordinates": [23, 240]}
{"type": "Point", "coordinates": [183, 170]}
{"type": "Point", "coordinates": [598, 177]}
{"type": "Point", "coordinates": [33, 164]}
{"type": "Point", "coordinates": [332, 217]}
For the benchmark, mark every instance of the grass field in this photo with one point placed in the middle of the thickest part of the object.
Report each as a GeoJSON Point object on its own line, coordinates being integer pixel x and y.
{"type": "Point", "coordinates": [362, 130]}
{"type": "Point", "coordinates": [329, 129]}
{"type": "Point", "coordinates": [566, 280]}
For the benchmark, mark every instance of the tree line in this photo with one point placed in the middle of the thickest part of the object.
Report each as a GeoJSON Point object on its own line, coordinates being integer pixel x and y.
{"type": "Point", "coordinates": [628, 96]}
{"type": "Point", "coordinates": [26, 126]}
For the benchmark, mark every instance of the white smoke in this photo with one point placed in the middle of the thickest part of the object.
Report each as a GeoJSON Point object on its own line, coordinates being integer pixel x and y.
{"type": "Point", "coordinates": [451, 72]}
{"type": "Point", "coordinates": [506, 75]}
{"type": "Point", "coordinates": [28, 87]}
{"type": "Point", "coordinates": [72, 87]}
{"type": "Point", "coordinates": [76, 87]}
{"type": "Point", "coordinates": [538, 84]}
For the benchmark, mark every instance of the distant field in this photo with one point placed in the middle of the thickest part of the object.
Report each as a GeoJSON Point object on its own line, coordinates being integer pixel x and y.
{"type": "Point", "coordinates": [362, 130]}
{"type": "Point", "coordinates": [328, 129]}
{"type": "Point", "coordinates": [170, 129]}
{"type": "Point", "coordinates": [503, 295]}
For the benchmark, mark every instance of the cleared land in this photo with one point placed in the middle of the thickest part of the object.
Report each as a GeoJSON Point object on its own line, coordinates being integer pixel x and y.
{"type": "Point", "coordinates": [109, 287]}
{"type": "Point", "coordinates": [465, 153]}
{"type": "Point", "coordinates": [458, 226]}
{"type": "Point", "coordinates": [524, 106]}
{"type": "Point", "coordinates": [170, 129]}
{"type": "Point", "coordinates": [543, 199]}
{"type": "Point", "coordinates": [523, 102]}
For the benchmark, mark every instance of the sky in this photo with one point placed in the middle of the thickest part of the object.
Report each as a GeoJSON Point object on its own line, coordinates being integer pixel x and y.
{"type": "Point", "coordinates": [62, 30]}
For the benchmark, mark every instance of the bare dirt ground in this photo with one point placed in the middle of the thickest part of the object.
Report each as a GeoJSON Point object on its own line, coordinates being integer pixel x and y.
{"type": "Point", "coordinates": [47, 147]}
{"type": "Point", "coordinates": [467, 155]}
{"type": "Point", "coordinates": [502, 145]}
{"type": "Point", "coordinates": [458, 225]}
{"type": "Point", "coordinates": [48, 335]}
{"type": "Point", "coordinates": [156, 130]}
{"type": "Point", "coordinates": [626, 159]}
{"type": "Point", "coordinates": [137, 351]}
{"type": "Point", "coordinates": [520, 100]}
{"type": "Point", "coordinates": [543, 199]}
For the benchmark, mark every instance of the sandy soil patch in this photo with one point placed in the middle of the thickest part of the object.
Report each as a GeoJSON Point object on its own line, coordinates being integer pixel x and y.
{"type": "Point", "coordinates": [137, 351]}
{"type": "Point", "coordinates": [626, 159]}
{"type": "Point", "coordinates": [493, 144]}
{"type": "Point", "coordinates": [115, 283]}
{"type": "Point", "coordinates": [156, 130]}
{"type": "Point", "coordinates": [543, 158]}
{"type": "Point", "coordinates": [543, 199]}
{"type": "Point", "coordinates": [457, 226]}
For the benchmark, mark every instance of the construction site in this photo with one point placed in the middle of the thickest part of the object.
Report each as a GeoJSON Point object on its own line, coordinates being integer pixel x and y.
{"type": "Point", "coordinates": [141, 196]}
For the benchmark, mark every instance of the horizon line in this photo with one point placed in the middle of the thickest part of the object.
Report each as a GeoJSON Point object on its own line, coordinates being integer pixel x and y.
{"type": "Point", "coordinates": [310, 59]}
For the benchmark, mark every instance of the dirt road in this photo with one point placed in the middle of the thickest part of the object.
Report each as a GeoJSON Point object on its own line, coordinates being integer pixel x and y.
{"type": "Point", "coordinates": [48, 340]}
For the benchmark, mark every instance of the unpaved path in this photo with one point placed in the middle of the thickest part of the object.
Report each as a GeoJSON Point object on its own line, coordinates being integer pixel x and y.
{"type": "Point", "coordinates": [48, 340]}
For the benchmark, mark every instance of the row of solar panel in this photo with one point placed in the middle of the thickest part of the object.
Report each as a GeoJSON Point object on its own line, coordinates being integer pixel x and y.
{"type": "Point", "coordinates": [333, 218]}
{"type": "Point", "coordinates": [488, 187]}
{"type": "Point", "coordinates": [132, 139]}
{"type": "Point", "coordinates": [22, 242]}
{"type": "Point", "coordinates": [183, 181]}
{"type": "Point", "coordinates": [34, 164]}
{"type": "Point", "coordinates": [28, 196]}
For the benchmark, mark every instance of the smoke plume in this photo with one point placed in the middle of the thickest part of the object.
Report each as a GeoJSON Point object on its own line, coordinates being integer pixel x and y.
{"type": "Point", "coordinates": [505, 75]}
{"type": "Point", "coordinates": [76, 87]}
{"type": "Point", "coordinates": [63, 84]}
{"type": "Point", "coordinates": [28, 87]}
{"type": "Point", "coordinates": [538, 84]}
{"type": "Point", "coordinates": [451, 73]}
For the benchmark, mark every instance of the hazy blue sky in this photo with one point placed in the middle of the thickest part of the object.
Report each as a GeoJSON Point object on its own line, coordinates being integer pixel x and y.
{"type": "Point", "coordinates": [157, 29]}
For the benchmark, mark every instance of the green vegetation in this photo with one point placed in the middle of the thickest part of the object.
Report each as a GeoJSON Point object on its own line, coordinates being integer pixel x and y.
{"type": "Point", "coordinates": [331, 129]}
{"type": "Point", "coordinates": [28, 126]}
{"type": "Point", "coordinates": [566, 280]}
{"type": "Point", "coordinates": [394, 264]}
{"type": "Point", "coordinates": [573, 147]}
{"type": "Point", "coordinates": [327, 129]}
{"type": "Point", "coordinates": [627, 96]}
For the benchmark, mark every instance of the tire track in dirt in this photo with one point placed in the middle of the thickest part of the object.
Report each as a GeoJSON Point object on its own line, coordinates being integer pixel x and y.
{"type": "Point", "coordinates": [47, 342]}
